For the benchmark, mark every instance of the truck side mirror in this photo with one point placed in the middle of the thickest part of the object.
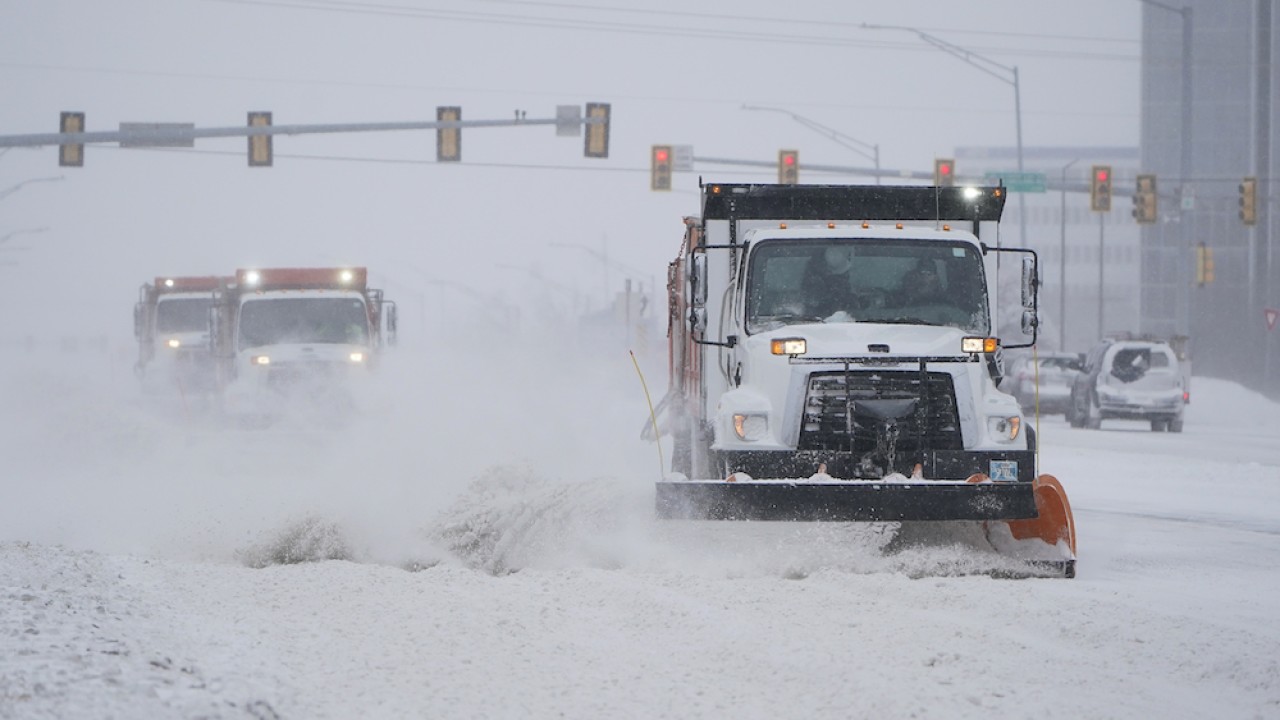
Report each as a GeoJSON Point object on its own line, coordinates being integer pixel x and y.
{"type": "Point", "coordinates": [215, 320]}
{"type": "Point", "coordinates": [698, 280]}
{"type": "Point", "coordinates": [697, 320]}
{"type": "Point", "coordinates": [1029, 282]}
{"type": "Point", "coordinates": [1030, 321]}
{"type": "Point", "coordinates": [391, 322]}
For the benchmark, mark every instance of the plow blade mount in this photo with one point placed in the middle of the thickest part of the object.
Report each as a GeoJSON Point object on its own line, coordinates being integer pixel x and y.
{"type": "Point", "coordinates": [843, 501]}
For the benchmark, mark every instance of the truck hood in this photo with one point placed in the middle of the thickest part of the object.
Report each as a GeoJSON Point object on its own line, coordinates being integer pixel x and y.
{"type": "Point", "coordinates": [301, 353]}
{"type": "Point", "coordinates": [188, 340]}
{"type": "Point", "coordinates": [850, 339]}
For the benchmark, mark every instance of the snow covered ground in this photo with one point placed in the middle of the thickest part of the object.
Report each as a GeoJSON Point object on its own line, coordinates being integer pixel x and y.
{"type": "Point", "coordinates": [498, 558]}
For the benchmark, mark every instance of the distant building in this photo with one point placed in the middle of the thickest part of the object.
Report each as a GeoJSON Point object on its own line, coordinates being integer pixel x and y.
{"type": "Point", "coordinates": [1230, 130]}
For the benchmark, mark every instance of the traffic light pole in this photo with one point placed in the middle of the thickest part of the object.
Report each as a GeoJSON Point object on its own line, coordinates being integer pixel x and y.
{"type": "Point", "coordinates": [1102, 289]}
{"type": "Point", "coordinates": [183, 135]}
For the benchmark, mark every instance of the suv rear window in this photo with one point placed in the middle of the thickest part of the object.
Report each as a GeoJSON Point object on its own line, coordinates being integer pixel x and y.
{"type": "Point", "coordinates": [1130, 364]}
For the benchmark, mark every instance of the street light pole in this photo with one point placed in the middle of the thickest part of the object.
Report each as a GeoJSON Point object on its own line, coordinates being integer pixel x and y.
{"type": "Point", "coordinates": [1062, 265]}
{"type": "Point", "coordinates": [29, 231]}
{"type": "Point", "coordinates": [831, 134]}
{"type": "Point", "coordinates": [995, 70]}
{"type": "Point", "coordinates": [15, 188]}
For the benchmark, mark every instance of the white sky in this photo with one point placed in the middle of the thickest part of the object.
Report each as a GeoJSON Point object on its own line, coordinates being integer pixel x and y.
{"type": "Point", "coordinates": [673, 73]}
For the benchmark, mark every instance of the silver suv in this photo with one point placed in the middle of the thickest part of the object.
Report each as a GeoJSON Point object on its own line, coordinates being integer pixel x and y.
{"type": "Point", "coordinates": [1130, 380]}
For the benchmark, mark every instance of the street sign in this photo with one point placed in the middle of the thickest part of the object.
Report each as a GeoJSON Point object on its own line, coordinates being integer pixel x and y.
{"type": "Point", "coordinates": [568, 120]}
{"type": "Point", "coordinates": [1028, 182]}
{"type": "Point", "coordinates": [1271, 314]}
{"type": "Point", "coordinates": [682, 158]}
{"type": "Point", "coordinates": [157, 135]}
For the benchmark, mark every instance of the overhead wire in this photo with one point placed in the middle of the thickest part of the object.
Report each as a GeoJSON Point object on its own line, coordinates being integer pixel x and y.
{"type": "Point", "coordinates": [664, 30]}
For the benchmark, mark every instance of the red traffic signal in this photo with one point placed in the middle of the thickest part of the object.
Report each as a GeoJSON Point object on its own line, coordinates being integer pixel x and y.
{"type": "Point", "coordinates": [1100, 188]}
{"type": "Point", "coordinates": [788, 167]}
{"type": "Point", "coordinates": [944, 172]}
{"type": "Point", "coordinates": [660, 167]}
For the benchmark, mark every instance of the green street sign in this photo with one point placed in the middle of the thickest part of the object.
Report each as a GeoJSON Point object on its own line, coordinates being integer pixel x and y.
{"type": "Point", "coordinates": [1027, 182]}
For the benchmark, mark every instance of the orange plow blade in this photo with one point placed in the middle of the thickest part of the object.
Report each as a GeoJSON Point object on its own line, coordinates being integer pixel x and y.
{"type": "Point", "coordinates": [1054, 526]}
{"type": "Point", "coordinates": [1055, 522]}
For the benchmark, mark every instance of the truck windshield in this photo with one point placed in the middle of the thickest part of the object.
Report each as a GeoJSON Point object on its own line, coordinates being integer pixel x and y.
{"type": "Point", "coordinates": [176, 315]}
{"type": "Point", "coordinates": [866, 280]}
{"type": "Point", "coordinates": [273, 321]}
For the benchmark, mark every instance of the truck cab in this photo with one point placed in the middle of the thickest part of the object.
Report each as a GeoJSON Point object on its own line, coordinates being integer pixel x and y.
{"type": "Point", "coordinates": [171, 324]}
{"type": "Point", "coordinates": [844, 332]}
{"type": "Point", "coordinates": [288, 335]}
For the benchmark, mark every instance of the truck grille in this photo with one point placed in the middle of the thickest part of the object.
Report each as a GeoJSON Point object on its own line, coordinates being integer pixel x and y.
{"type": "Point", "coordinates": [853, 412]}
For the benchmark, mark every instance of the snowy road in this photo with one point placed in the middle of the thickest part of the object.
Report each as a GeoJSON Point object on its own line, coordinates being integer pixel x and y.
{"type": "Point", "coordinates": [542, 587]}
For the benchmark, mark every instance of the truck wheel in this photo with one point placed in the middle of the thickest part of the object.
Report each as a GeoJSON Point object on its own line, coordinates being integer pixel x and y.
{"type": "Point", "coordinates": [1159, 425]}
{"type": "Point", "coordinates": [1175, 425]}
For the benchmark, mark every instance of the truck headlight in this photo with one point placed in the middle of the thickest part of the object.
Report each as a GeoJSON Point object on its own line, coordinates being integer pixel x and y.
{"type": "Point", "coordinates": [356, 357]}
{"type": "Point", "coordinates": [788, 346]}
{"type": "Point", "coordinates": [975, 345]}
{"type": "Point", "coordinates": [174, 343]}
{"type": "Point", "coordinates": [1004, 429]}
{"type": "Point", "coordinates": [260, 360]}
{"type": "Point", "coordinates": [750, 427]}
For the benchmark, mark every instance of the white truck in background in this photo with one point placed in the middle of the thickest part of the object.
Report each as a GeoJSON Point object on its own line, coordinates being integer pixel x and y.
{"type": "Point", "coordinates": [171, 324]}
{"type": "Point", "coordinates": [297, 339]}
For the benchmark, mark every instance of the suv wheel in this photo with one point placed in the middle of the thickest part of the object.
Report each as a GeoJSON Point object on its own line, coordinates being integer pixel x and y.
{"type": "Point", "coordinates": [1092, 414]}
{"type": "Point", "coordinates": [1159, 425]}
{"type": "Point", "coordinates": [1175, 425]}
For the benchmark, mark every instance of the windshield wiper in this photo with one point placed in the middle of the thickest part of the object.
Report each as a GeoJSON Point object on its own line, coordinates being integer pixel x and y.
{"type": "Point", "coordinates": [788, 318]}
{"type": "Point", "coordinates": [903, 321]}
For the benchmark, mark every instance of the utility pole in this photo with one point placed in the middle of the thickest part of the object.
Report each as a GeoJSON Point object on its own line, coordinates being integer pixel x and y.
{"type": "Point", "coordinates": [1062, 265]}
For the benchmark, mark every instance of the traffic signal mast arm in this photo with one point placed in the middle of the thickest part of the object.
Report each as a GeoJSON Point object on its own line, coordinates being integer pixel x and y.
{"type": "Point", "coordinates": [177, 134]}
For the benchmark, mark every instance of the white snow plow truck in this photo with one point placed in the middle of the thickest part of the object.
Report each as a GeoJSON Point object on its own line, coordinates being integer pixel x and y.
{"type": "Point", "coordinates": [297, 338]}
{"type": "Point", "coordinates": [833, 357]}
{"type": "Point", "coordinates": [171, 324]}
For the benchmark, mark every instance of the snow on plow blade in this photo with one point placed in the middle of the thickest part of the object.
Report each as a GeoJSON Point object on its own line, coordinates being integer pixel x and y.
{"type": "Point", "coordinates": [1029, 521]}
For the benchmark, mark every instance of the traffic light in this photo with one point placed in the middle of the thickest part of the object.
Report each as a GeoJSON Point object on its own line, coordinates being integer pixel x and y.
{"type": "Point", "coordinates": [1204, 264]}
{"type": "Point", "coordinates": [788, 167]}
{"type": "Point", "coordinates": [944, 172]}
{"type": "Point", "coordinates": [597, 142]}
{"type": "Point", "coordinates": [449, 140]}
{"type": "Point", "coordinates": [1100, 189]}
{"type": "Point", "coordinates": [71, 154]}
{"type": "Point", "coordinates": [260, 150]}
{"type": "Point", "coordinates": [660, 168]}
{"type": "Point", "coordinates": [1249, 201]}
{"type": "Point", "coordinates": [1144, 200]}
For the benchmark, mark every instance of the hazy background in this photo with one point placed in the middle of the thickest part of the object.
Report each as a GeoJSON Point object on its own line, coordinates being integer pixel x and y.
{"type": "Point", "coordinates": [494, 224]}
